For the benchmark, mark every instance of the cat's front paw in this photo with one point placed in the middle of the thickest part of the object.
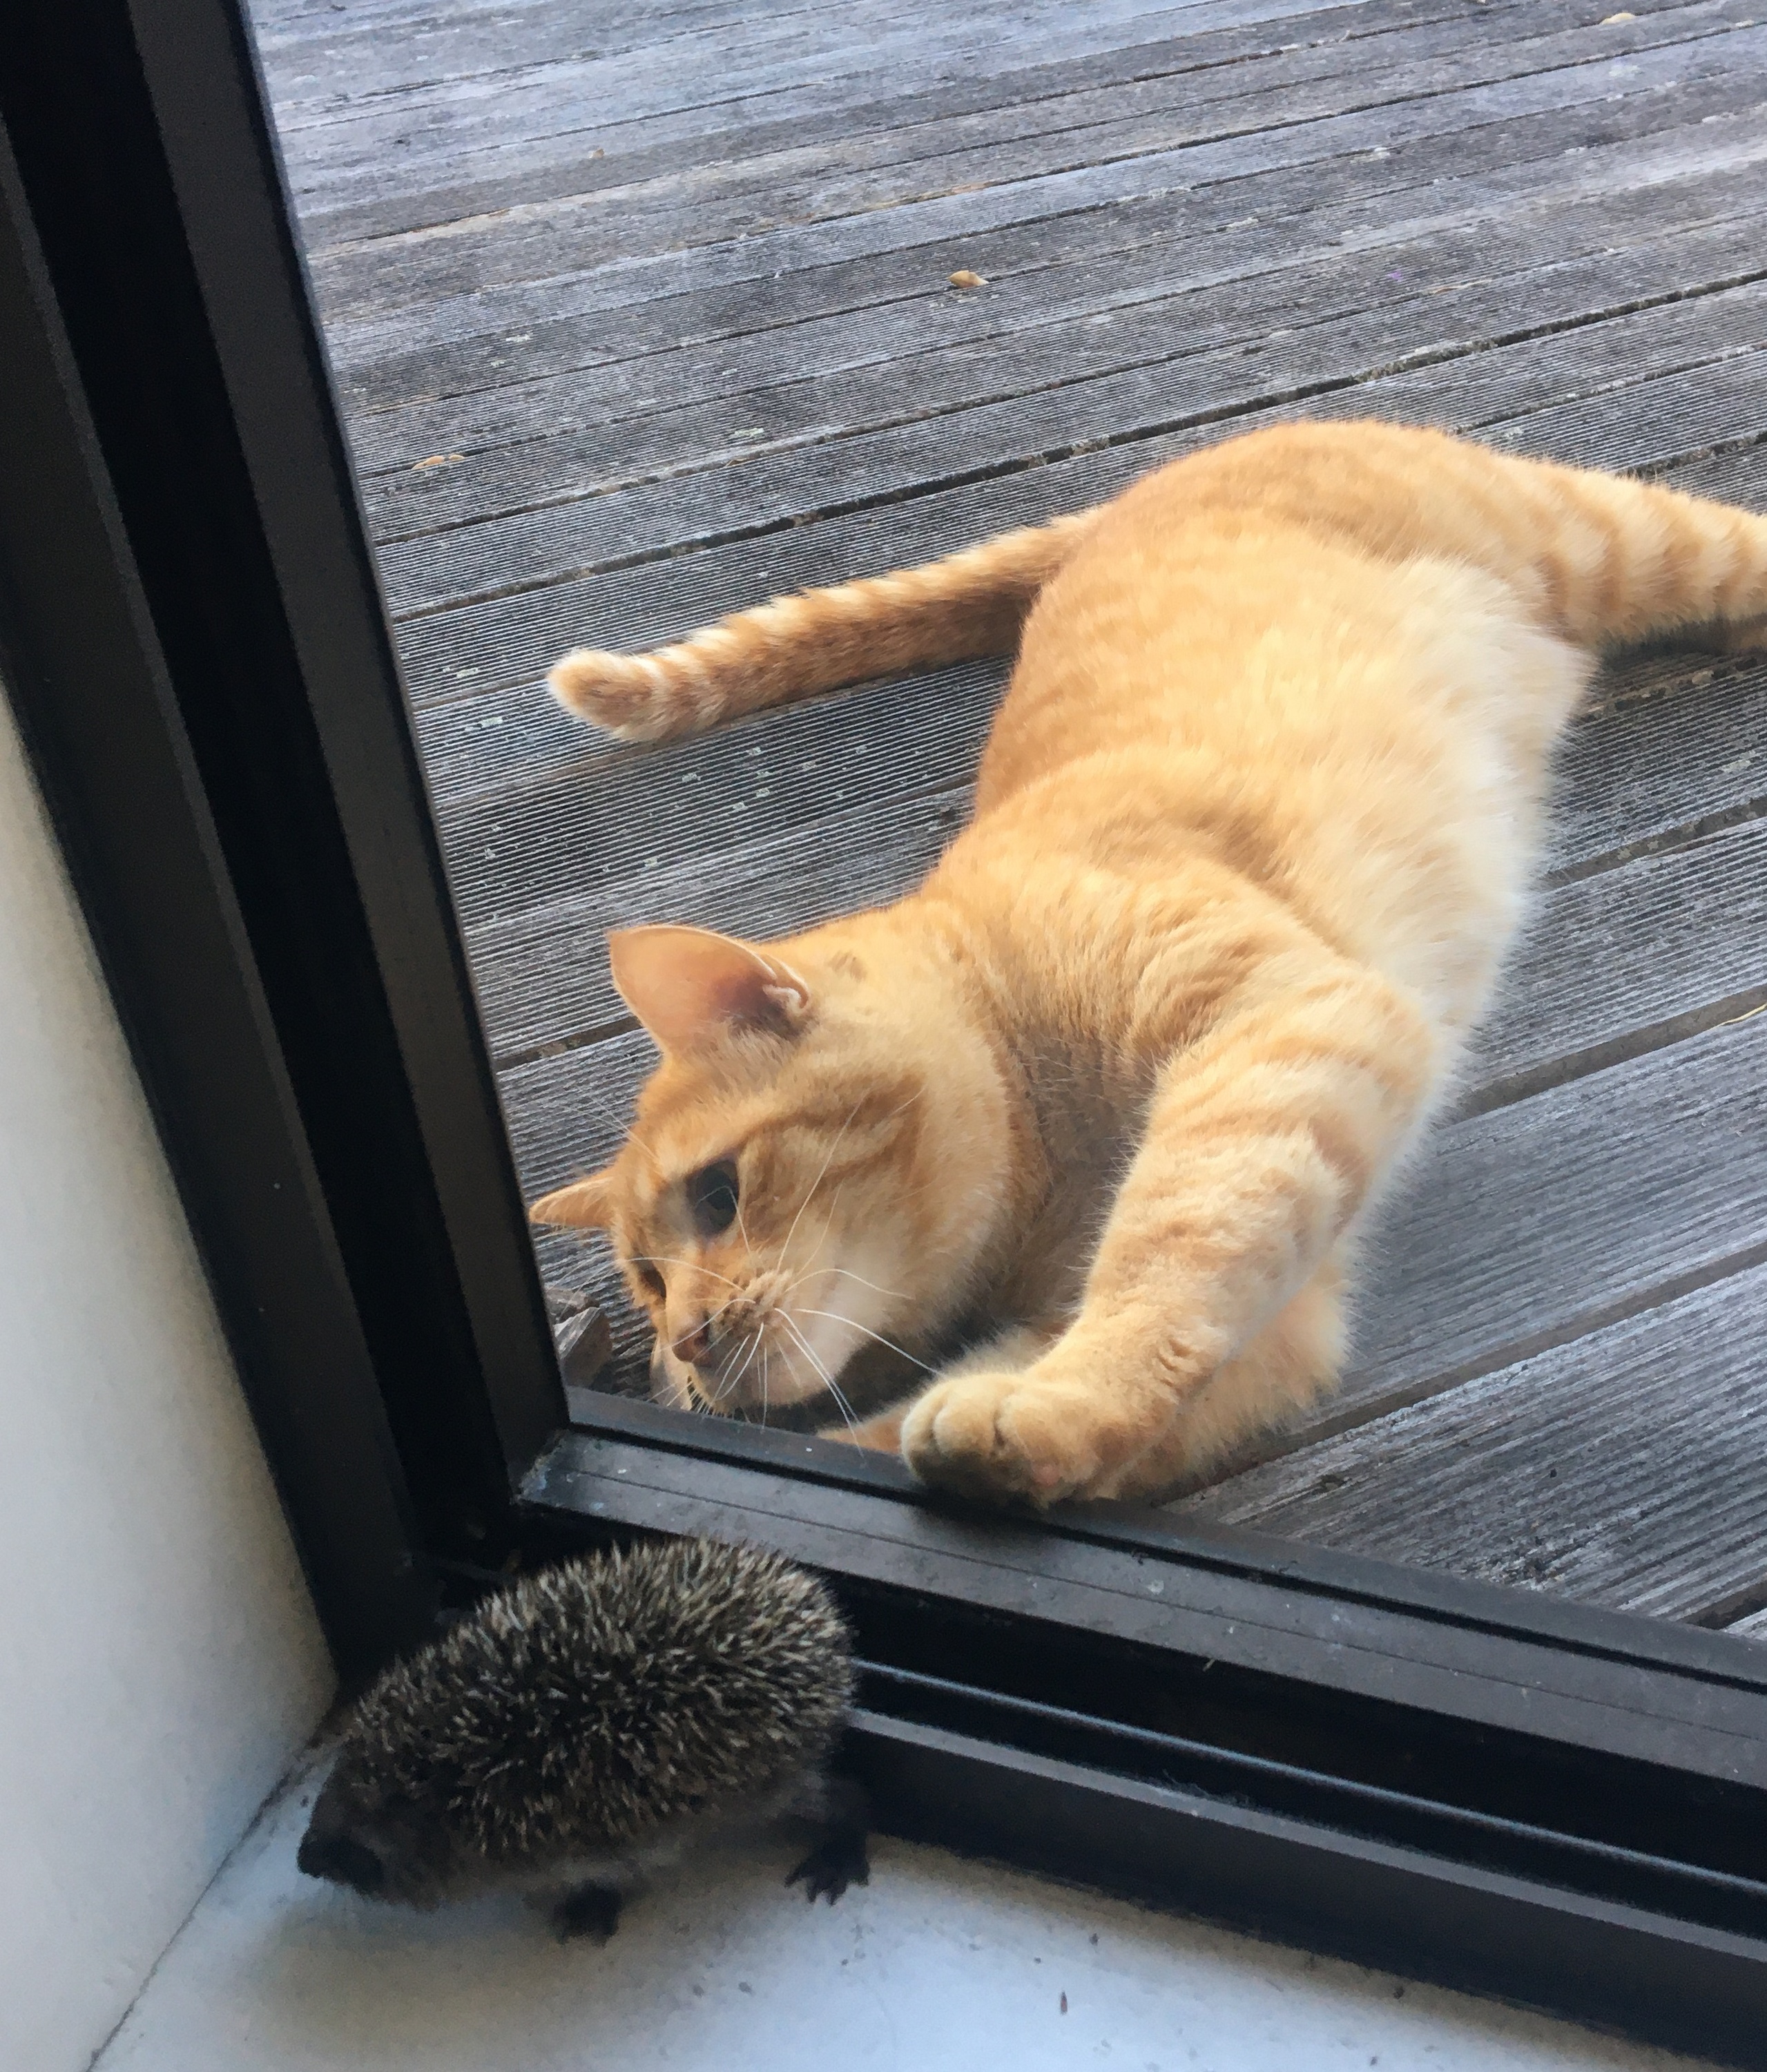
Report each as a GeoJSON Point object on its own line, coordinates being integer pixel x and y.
{"type": "Point", "coordinates": [1001, 1437]}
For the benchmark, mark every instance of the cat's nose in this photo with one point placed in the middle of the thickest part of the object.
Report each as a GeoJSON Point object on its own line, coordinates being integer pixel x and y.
{"type": "Point", "coordinates": [696, 1345]}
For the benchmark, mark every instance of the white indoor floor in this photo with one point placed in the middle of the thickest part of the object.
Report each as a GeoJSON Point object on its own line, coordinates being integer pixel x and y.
{"type": "Point", "coordinates": [937, 1964]}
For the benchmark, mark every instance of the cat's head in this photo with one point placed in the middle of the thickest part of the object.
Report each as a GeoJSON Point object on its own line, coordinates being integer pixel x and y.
{"type": "Point", "coordinates": [815, 1165]}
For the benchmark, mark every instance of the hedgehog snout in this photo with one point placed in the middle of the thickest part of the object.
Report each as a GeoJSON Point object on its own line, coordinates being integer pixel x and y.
{"type": "Point", "coordinates": [342, 1860]}
{"type": "Point", "coordinates": [380, 1844]}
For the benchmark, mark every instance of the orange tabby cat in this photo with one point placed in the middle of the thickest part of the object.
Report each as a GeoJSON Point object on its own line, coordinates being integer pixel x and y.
{"type": "Point", "coordinates": [1117, 1083]}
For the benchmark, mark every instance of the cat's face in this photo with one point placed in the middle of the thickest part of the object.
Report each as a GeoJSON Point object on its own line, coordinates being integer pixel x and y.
{"type": "Point", "coordinates": [791, 1192]}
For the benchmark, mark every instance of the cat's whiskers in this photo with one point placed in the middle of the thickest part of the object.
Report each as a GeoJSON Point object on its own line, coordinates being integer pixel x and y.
{"type": "Point", "coordinates": [823, 1235]}
{"type": "Point", "coordinates": [752, 1344]}
{"type": "Point", "coordinates": [742, 1232]}
{"type": "Point", "coordinates": [844, 1405]}
{"type": "Point", "coordinates": [785, 1249]}
{"type": "Point", "coordinates": [840, 1317]}
{"type": "Point", "coordinates": [827, 1221]}
{"type": "Point", "coordinates": [756, 1346]}
{"type": "Point", "coordinates": [692, 1265]}
{"type": "Point", "coordinates": [828, 1381]}
{"type": "Point", "coordinates": [894, 1294]}
{"type": "Point", "coordinates": [803, 1344]}
{"type": "Point", "coordinates": [729, 1302]}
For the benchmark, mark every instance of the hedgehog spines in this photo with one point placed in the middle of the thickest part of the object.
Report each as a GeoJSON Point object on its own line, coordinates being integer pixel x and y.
{"type": "Point", "coordinates": [594, 1700]}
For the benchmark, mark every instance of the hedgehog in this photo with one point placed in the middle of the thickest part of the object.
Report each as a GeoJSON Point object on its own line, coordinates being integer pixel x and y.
{"type": "Point", "coordinates": [593, 1722]}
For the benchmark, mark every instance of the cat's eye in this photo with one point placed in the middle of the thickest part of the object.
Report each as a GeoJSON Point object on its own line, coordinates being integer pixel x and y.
{"type": "Point", "coordinates": [651, 1280]}
{"type": "Point", "coordinates": [712, 1196]}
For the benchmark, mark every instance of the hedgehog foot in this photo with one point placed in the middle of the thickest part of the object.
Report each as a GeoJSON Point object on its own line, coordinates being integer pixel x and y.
{"type": "Point", "coordinates": [590, 1910]}
{"type": "Point", "coordinates": [832, 1866]}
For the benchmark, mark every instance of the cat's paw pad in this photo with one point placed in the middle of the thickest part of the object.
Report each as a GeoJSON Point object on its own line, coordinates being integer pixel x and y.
{"type": "Point", "coordinates": [1001, 1436]}
{"type": "Point", "coordinates": [630, 696]}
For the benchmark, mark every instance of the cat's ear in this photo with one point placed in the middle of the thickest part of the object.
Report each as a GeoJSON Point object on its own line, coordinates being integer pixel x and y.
{"type": "Point", "coordinates": [691, 988]}
{"type": "Point", "coordinates": [584, 1205]}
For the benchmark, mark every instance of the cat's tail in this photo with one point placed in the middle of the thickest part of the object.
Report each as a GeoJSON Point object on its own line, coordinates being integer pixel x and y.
{"type": "Point", "coordinates": [971, 603]}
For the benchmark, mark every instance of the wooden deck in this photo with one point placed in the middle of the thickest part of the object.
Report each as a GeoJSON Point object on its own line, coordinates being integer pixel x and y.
{"type": "Point", "coordinates": [640, 312]}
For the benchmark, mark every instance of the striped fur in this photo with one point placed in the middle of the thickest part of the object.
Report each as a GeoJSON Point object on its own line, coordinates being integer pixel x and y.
{"type": "Point", "coordinates": [1067, 1151]}
{"type": "Point", "coordinates": [972, 603]}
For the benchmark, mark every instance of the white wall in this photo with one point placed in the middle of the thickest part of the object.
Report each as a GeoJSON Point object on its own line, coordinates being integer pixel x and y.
{"type": "Point", "coordinates": [159, 1661]}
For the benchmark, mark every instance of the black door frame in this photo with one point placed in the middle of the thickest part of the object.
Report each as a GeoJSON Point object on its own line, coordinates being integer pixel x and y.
{"type": "Point", "coordinates": [1561, 1805]}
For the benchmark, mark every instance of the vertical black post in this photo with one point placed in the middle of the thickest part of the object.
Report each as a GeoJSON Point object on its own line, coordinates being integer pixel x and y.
{"type": "Point", "coordinates": [82, 663]}
{"type": "Point", "coordinates": [208, 100]}
{"type": "Point", "coordinates": [147, 184]}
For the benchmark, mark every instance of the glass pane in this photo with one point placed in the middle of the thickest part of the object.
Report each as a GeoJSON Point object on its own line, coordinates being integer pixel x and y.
{"type": "Point", "coordinates": [644, 313]}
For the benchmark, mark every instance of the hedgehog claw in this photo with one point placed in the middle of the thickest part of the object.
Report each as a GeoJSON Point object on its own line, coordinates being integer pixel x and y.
{"type": "Point", "coordinates": [829, 1869]}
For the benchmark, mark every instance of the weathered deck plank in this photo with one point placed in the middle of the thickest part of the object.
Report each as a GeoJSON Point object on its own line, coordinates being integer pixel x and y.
{"type": "Point", "coordinates": [799, 65]}
{"type": "Point", "coordinates": [799, 281]}
{"type": "Point", "coordinates": [880, 132]}
{"type": "Point", "coordinates": [577, 373]}
{"type": "Point", "coordinates": [724, 96]}
{"type": "Point", "coordinates": [594, 253]}
{"type": "Point", "coordinates": [921, 154]}
{"type": "Point", "coordinates": [1152, 402]}
{"type": "Point", "coordinates": [1628, 1468]}
{"type": "Point", "coordinates": [536, 445]}
{"type": "Point", "coordinates": [355, 278]}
